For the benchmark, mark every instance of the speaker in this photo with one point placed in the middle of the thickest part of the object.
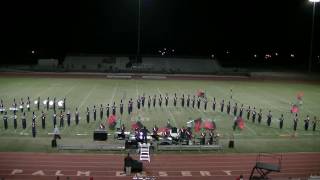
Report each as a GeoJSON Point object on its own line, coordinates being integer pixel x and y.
{"type": "Point", "coordinates": [231, 144]}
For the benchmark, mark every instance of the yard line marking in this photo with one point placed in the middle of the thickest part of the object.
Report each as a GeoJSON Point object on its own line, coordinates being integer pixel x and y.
{"type": "Point", "coordinates": [170, 113]}
{"type": "Point", "coordinates": [70, 89]}
{"type": "Point", "coordinates": [41, 92]}
{"type": "Point", "coordinates": [85, 99]}
{"type": "Point", "coordinates": [113, 93]}
{"type": "Point", "coordinates": [137, 90]}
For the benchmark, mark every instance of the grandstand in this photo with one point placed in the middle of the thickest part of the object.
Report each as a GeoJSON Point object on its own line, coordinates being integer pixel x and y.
{"type": "Point", "coordinates": [104, 63]}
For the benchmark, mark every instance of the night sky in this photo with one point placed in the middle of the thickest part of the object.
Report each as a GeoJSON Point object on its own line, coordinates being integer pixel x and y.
{"type": "Point", "coordinates": [191, 27]}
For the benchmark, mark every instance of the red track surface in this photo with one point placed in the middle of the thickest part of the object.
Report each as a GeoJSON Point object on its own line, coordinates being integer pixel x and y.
{"type": "Point", "coordinates": [296, 165]}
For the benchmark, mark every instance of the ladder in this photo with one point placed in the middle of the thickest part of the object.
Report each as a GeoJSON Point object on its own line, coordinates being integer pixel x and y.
{"type": "Point", "coordinates": [144, 152]}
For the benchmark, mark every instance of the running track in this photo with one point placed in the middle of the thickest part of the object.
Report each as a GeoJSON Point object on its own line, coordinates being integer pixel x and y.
{"type": "Point", "coordinates": [44, 166]}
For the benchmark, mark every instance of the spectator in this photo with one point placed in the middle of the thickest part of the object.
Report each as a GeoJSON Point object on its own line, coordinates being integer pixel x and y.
{"type": "Point", "coordinates": [240, 177]}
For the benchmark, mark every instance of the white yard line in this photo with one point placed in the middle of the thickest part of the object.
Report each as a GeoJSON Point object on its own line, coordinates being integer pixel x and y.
{"type": "Point", "coordinates": [113, 93]}
{"type": "Point", "coordinates": [70, 89]}
{"type": "Point", "coordinates": [85, 99]}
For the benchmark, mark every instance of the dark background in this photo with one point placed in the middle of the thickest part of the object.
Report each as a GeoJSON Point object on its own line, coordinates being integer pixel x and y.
{"type": "Point", "coordinates": [191, 27]}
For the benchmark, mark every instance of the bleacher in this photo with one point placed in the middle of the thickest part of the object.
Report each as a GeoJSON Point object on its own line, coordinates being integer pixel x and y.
{"type": "Point", "coordinates": [102, 63]}
{"type": "Point", "coordinates": [180, 65]}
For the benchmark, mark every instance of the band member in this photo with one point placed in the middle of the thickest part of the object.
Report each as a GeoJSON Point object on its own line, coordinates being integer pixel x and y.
{"type": "Point", "coordinates": [108, 110]}
{"type": "Point", "coordinates": [114, 108]}
{"type": "Point", "coordinates": [121, 107]}
{"type": "Point", "coordinates": [202, 138]}
{"type": "Point", "coordinates": [254, 115]}
{"type": "Point", "coordinates": [94, 113]}
{"type": "Point", "coordinates": [21, 105]}
{"type": "Point", "coordinates": [248, 113]}
{"type": "Point", "coordinates": [131, 105]}
{"type": "Point", "coordinates": [33, 117]}
{"type": "Point", "coordinates": [314, 123]}
{"type": "Point", "coordinates": [260, 116]}
{"type": "Point", "coordinates": [160, 100]}
{"type": "Point", "coordinates": [61, 119]}
{"type": "Point", "coordinates": [281, 121]}
{"type": "Point", "coordinates": [295, 122]}
{"type": "Point", "coordinates": [306, 123]}
{"type": "Point", "coordinates": [154, 100]}
{"type": "Point", "coordinates": [269, 118]}
{"type": "Point", "coordinates": [241, 110]}
{"type": "Point", "coordinates": [235, 109]}
{"type": "Point", "coordinates": [5, 120]}
{"type": "Point", "coordinates": [54, 103]}
{"type": "Point", "coordinates": [188, 100]}
{"type": "Point", "coordinates": [228, 107]}
{"type": "Point", "coordinates": [144, 131]}
{"type": "Point", "coordinates": [28, 103]}
{"type": "Point", "coordinates": [24, 121]}
{"type": "Point", "coordinates": [47, 103]}
{"type": "Point", "coordinates": [198, 102]}
{"type": "Point", "coordinates": [149, 101]}
{"type": "Point", "coordinates": [193, 101]}
{"type": "Point", "coordinates": [38, 104]}
{"type": "Point", "coordinates": [143, 98]}
{"type": "Point", "coordinates": [155, 133]}
{"type": "Point", "coordinates": [101, 111]}
{"type": "Point", "coordinates": [205, 104]}
{"type": "Point", "coordinates": [231, 93]}
{"type": "Point", "coordinates": [122, 132]}
{"type": "Point", "coordinates": [77, 116]}
{"type": "Point", "coordinates": [138, 102]}
{"type": "Point", "coordinates": [68, 118]}
{"type": "Point", "coordinates": [54, 118]}
{"type": "Point", "coordinates": [64, 104]}
{"type": "Point", "coordinates": [43, 120]}
{"type": "Point", "coordinates": [33, 125]}
{"type": "Point", "coordinates": [235, 123]}
{"type": "Point", "coordinates": [210, 142]}
{"type": "Point", "coordinates": [214, 104]}
{"type": "Point", "coordinates": [222, 105]}
{"type": "Point", "coordinates": [1, 106]}
{"type": "Point", "coordinates": [88, 115]}
{"type": "Point", "coordinates": [182, 100]}
{"type": "Point", "coordinates": [14, 105]}
{"type": "Point", "coordinates": [175, 100]}
{"type": "Point", "coordinates": [15, 123]}
{"type": "Point", "coordinates": [166, 99]}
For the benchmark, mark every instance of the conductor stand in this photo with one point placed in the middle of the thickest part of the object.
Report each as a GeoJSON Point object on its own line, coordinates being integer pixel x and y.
{"type": "Point", "coordinates": [265, 164]}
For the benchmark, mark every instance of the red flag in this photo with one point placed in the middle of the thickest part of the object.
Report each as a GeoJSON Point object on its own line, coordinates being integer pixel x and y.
{"type": "Point", "coordinates": [112, 120]}
{"type": "Point", "coordinates": [295, 109]}
{"type": "Point", "coordinates": [300, 95]}
{"type": "Point", "coordinates": [197, 125]}
{"type": "Point", "coordinates": [240, 123]}
{"type": "Point", "coordinates": [200, 93]}
{"type": "Point", "coordinates": [209, 125]}
{"type": "Point", "coordinates": [134, 126]}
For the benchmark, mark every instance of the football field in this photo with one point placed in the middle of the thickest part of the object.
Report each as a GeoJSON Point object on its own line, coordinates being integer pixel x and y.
{"type": "Point", "coordinates": [277, 96]}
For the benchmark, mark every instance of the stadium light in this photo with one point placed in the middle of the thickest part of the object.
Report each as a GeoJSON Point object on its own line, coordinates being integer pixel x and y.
{"type": "Point", "coordinates": [312, 32]}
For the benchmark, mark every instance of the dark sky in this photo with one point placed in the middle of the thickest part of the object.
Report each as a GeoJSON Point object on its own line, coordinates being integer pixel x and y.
{"type": "Point", "coordinates": [190, 26]}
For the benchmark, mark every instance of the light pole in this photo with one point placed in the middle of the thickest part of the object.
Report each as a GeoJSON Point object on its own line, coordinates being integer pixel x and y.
{"type": "Point", "coordinates": [312, 32]}
{"type": "Point", "coordinates": [139, 32]}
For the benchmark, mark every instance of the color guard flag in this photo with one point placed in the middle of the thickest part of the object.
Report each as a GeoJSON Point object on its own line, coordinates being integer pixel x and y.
{"type": "Point", "coordinates": [294, 109]}
{"type": "Point", "coordinates": [197, 125]}
{"type": "Point", "coordinates": [209, 125]}
{"type": "Point", "coordinates": [240, 122]}
{"type": "Point", "coordinates": [300, 95]}
{"type": "Point", "coordinates": [112, 120]}
{"type": "Point", "coordinates": [200, 93]}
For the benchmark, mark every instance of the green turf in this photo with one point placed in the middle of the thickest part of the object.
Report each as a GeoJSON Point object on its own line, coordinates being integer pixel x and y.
{"type": "Point", "coordinates": [274, 96]}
